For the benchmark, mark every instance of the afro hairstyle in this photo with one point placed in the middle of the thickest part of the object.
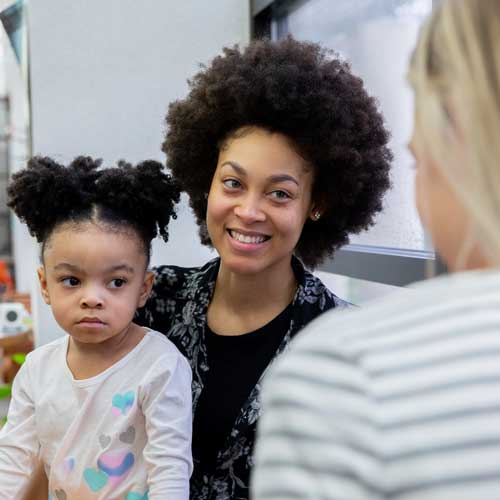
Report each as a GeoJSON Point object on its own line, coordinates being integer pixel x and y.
{"type": "Point", "coordinates": [307, 93]}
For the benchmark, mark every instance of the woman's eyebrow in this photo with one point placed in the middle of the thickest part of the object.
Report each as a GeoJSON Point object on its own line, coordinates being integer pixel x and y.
{"type": "Point", "coordinates": [272, 178]}
{"type": "Point", "coordinates": [283, 178]}
{"type": "Point", "coordinates": [236, 167]}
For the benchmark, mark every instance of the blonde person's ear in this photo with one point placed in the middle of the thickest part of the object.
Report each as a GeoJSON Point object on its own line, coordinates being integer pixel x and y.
{"type": "Point", "coordinates": [147, 285]}
{"type": "Point", "coordinates": [43, 284]}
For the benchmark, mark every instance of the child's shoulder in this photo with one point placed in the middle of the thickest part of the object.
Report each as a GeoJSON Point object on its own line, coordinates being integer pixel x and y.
{"type": "Point", "coordinates": [49, 350]}
{"type": "Point", "coordinates": [162, 355]}
{"type": "Point", "coordinates": [45, 360]}
{"type": "Point", "coordinates": [160, 345]}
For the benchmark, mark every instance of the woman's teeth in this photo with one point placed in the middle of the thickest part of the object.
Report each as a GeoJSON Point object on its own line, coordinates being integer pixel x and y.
{"type": "Point", "coordinates": [243, 238]}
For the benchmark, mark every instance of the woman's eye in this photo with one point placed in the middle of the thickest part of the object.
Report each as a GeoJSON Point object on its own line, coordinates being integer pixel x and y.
{"type": "Point", "coordinates": [232, 183]}
{"type": "Point", "coordinates": [117, 283]}
{"type": "Point", "coordinates": [70, 282]}
{"type": "Point", "coordinates": [280, 195]}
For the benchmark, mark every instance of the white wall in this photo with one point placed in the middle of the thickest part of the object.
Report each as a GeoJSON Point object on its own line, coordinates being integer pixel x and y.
{"type": "Point", "coordinates": [102, 75]}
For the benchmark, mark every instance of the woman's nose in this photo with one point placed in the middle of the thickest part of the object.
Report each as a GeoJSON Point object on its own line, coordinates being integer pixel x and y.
{"type": "Point", "coordinates": [250, 210]}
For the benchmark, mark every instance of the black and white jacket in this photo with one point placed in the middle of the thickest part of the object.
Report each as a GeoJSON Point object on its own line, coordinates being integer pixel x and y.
{"type": "Point", "coordinates": [178, 307]}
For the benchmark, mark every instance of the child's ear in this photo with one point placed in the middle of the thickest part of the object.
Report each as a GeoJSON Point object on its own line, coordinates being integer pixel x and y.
{"type": "Point", "coordinates": [43, 284]}
{"type": "Point", "coordinates": [147, 285]}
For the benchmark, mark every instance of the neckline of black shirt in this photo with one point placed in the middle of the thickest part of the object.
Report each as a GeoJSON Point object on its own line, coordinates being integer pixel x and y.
{"type": "Point", "coordinates": [217, 339]}
{"type": "Point", "coordinates": [236, 363]}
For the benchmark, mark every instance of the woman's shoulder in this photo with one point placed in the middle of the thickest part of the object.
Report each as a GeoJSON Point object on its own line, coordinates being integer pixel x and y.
{"type": "Point", "coordinates": [173, 280]}
{"type": "Point", "coordinates": [173, 287]}
{"type": "Point", "coordinates": [313, 292]}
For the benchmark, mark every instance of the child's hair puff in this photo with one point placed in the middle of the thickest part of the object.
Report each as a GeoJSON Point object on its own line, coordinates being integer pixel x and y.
{"type": "Point", "coordinates": [47, 194]}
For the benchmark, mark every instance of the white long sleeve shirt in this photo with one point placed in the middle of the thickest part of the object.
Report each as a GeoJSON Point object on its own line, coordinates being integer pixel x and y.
{"type": "Point", "coordinates": [123, 434]}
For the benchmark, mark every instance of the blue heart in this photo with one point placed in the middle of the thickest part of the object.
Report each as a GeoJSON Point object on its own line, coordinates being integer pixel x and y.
{"type": "Point", "coordinates": [123, 401]}
{"type": "Point", "coordinates": [95, 479]}
{"type": "Point", "coordinates": [136, 496]}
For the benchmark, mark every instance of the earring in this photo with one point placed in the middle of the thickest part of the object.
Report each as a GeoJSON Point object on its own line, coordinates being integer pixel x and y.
{"type": "Point", "coordinates": [316, 215]}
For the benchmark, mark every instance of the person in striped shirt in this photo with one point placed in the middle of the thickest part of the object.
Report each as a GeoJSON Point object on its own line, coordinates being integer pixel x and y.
{"type": "Point", "coordinates": [401, 399]}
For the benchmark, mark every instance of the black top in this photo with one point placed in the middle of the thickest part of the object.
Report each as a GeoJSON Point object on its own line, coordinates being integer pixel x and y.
{"type": "Point", "coordinates": [236, 363]}
{"type": "Point", "coordinates": [178, 307]}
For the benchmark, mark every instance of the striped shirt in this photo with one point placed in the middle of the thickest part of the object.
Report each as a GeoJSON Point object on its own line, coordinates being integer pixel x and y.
{"type": "Point", "coordinates": [398, 400]}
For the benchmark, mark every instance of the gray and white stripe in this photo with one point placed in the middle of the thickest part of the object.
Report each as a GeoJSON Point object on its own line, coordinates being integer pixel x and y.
{"type": "Point", "coordinates": [400, 400]}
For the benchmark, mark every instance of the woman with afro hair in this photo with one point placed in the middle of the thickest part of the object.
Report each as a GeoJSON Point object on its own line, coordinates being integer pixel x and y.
{"type": "Point", "coordinates": [283, 154]}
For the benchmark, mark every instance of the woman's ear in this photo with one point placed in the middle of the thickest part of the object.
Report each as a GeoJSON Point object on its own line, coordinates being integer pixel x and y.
{"type": "Point", "coordinates": [146, 288]}
{"type": "Point", "coordinates": [317, 210]}
{"type": "Point", "coordinates": [43, 284]}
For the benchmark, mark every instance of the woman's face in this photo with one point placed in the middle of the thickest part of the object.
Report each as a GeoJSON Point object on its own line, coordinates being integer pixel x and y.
{"type": "Point", "coordinates": [441, 211]}
{"type": "Point", "coordinates": [259, 200]}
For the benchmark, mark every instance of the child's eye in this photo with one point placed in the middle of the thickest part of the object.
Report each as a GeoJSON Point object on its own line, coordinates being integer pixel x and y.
{"type": "Point", "coordinates": [232, 183]}
{"type": "Point", "coordinates": [280, 195]}
{"type": "Point", "coordinates": [117, 283]}
{"type": "Point", "coordinates": [70, 282]}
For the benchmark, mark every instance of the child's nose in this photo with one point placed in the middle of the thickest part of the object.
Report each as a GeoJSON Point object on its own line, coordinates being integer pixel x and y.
{"type": "Point", "coordinates": [91, 299]}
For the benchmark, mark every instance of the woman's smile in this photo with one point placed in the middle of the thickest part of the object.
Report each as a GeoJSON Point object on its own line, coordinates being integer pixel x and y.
{"type": "Point", "coordinates": [245, 237]}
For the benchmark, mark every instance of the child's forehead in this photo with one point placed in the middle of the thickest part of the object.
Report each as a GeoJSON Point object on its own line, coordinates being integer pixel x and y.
{"type": "Point", "coordinates": [94, 246]}
{"type": "Point", "coordinates": [92, 230]}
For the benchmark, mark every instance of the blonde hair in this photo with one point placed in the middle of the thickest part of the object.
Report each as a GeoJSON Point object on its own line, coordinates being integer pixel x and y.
{"type": "Point", "coordinates": [455, 72]}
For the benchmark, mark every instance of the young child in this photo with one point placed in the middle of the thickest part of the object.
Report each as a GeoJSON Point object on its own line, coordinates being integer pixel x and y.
{"type": "Point", "coordinates": [107, 408]}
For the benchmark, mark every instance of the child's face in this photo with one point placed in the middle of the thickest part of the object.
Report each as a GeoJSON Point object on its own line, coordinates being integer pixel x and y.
{"type": "Point", "coordinates": [94, 280]}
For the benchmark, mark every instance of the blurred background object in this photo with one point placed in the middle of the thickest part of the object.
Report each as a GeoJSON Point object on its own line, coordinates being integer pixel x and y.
{"type": "Point", "coordinates": [6, 281]}
{"type": "Point", "coordinates": [14, 319]}
{"type": "Point", "coordinates": [16, 340]}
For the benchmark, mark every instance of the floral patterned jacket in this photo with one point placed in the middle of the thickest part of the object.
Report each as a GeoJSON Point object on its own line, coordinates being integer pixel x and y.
{"type": "Point", "coordinates": [178, 307]}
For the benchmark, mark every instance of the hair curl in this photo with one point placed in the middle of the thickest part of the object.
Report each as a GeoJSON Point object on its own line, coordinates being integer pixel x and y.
{"type": "Point", "coordinates": [307, 93]}
{"type": "Point", "coordinates": [46, 194]}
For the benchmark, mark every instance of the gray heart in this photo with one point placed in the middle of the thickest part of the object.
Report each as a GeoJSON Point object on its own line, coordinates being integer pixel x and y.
{"type": "Point", "coordinates": [60, 494]}
{"type": "Point", "coordinates": [104, 440]}
{"type": "Point", "coordinates": [128, 436]}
